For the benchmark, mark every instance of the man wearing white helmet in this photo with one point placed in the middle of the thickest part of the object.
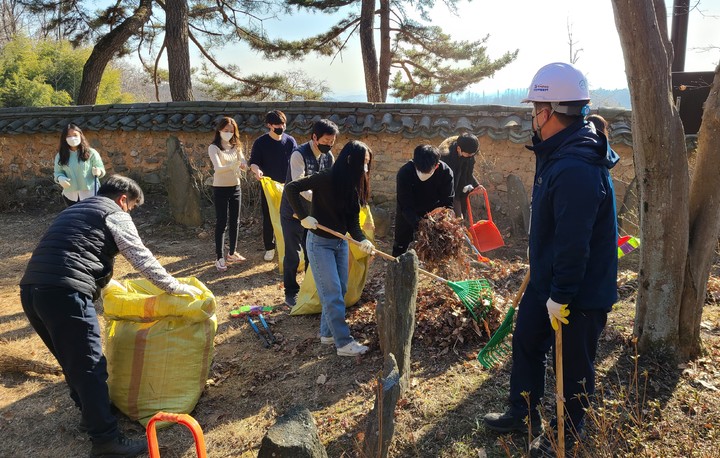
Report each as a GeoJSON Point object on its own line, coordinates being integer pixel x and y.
{"type": "Point", "coordinates": [573, 255]}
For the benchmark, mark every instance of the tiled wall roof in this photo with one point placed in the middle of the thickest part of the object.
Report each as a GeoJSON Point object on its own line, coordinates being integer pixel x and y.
{"type": "Point", "coordinates": [357, 118]}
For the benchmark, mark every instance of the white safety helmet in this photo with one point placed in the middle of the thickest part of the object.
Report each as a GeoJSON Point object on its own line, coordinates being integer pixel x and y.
{"type": "Point", "coordinates": [563, 86]}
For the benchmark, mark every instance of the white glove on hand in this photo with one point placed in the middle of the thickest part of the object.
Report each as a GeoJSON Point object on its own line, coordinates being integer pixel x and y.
{"type": "Point", "coordinates": [468, 188]}
{"type": "Point", "coordinates": [557, 312]}
{"type": "Point", "coordinates": [366, 246]}
{"type": "Point", "coordinates": [96, 171]}
{"type": "Point", "coordinates": [64, 182]}
{"type": "Point", "coordinates": [309, 222]}
{"type": "Point", "coordinates": [187, 290]}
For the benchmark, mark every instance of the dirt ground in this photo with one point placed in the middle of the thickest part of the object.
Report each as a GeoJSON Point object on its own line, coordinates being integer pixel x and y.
{"type": "Point", "coordinates": [249, 386]}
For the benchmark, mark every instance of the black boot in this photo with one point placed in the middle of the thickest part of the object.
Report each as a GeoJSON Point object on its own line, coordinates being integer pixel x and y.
{"type": "Point", "coordinates": [119, 447]}
{"type": "Point", "coordinates": [507, 423]}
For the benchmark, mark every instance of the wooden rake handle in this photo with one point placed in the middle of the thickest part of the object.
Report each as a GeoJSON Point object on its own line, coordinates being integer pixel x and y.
{"type": "Point", "coordinates": [560, 390]}
{"type": "Point", "coordinates": [376, 251]}
{"type": "Point", "coordinates": [521, 291]}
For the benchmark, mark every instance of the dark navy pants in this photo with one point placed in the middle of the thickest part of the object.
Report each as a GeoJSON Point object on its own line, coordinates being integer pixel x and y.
{"type": "Point", "coordinates": [294, 236]}
{"type": "Point", "coordinates": [267, 227]}
{"type": "Point", "coordinates": [534, 337]}
{"type": "Point", "coordinates": [66, 321]}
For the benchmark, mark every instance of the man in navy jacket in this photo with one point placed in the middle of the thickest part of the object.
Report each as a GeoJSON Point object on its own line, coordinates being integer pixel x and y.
{"type": "Point", "coordinates": [573, 255]}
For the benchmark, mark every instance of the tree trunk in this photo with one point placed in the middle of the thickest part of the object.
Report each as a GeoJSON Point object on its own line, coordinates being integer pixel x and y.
{"type": "Point", "coordinates": [367, 48]}
{"type": "Point", "coordinates": [662, 169]}
{"type": "Point", "coordinates": [177, 41]}
{"type": "Point", "coordinates": [106, 48]}
{"type": "Point", "coordinates": [704, 223]}
{"type": "Point", "coordinates": [385, 52]}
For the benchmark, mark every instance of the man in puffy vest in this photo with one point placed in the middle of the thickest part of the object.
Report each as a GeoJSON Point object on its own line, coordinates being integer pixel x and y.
{"type": "Point", "coordinates": [308, 159]}
{"type": "Point", "coordinates": [71, 264]}
{"type": "Point", "coordinates": [573, 256]}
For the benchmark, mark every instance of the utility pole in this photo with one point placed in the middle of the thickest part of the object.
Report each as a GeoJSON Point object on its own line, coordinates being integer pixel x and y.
{"type": "Point", "coordinates": [678, 34]}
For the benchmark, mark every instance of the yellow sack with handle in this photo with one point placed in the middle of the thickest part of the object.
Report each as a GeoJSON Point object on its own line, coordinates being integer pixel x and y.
{"type": "Point", "coordinates": [159, 347]}
{"type": "Point", "coordinates": [308, 301]}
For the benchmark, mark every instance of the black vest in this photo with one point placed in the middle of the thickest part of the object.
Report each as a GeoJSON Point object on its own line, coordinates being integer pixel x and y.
{"type": "Point", "coordinates": [312, 166]}
{"type": "Point", "coordinates": [77, 251]}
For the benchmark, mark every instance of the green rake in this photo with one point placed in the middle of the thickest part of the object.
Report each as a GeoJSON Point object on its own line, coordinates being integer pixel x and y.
{"type": "Point", "coordinates": [475, 295]}
{"type": "Point", "coordinates": [497, 347]}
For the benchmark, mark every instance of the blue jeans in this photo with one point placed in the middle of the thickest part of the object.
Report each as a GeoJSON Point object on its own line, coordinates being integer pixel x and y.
{"type": "Point", "coordinates": [66, 321]}
{"type": "Point", "coordinates": [329, 263]}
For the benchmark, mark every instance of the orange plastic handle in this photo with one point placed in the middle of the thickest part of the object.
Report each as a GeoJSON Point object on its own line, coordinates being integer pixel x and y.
{"type": "Point", "coordinates": [479, 189]}
{"type": "Point", "coordinates": [181, 418]}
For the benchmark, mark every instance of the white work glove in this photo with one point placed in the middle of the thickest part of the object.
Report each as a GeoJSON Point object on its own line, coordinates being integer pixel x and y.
{"type": "Point", "coordinates": [557, 312]}
{"type": "Point", "coordinates": [96, 171]}
{"type": "Point", "coordinates": [468, 188]}
{"type": "Point", "coordinates": [309, 222]}
{"type": "Point", "coordinates": [187, 290]}
{"type": "Point", "coordinates": [64, 182]}
{"type": "Point", "coordinates": [366, 246]}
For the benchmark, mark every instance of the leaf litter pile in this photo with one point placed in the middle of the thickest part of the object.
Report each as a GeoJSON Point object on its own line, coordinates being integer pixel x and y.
{"type": "Point", "coordinates": [442, 323]}
{"type": "Point", "coordinates": [440, 242]}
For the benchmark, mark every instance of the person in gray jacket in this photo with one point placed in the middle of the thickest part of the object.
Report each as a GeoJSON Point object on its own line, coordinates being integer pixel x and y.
{"type": "Point", "coordinates": [71, 264]}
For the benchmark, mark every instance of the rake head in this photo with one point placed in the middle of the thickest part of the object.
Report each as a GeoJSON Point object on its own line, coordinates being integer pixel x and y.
{"type": "Point", "coordinates": [497, 348]}
{"type": "Point", "coordinates": [476, 296]}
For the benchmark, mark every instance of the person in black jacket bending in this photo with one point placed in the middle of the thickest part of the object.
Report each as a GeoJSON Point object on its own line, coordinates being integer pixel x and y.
{"type": "Point", "coordinates": [71, 264]}
{"type": "Point", "coordinates": [423, 184]}
{"type": "Point", "coordinates": [338, 194]}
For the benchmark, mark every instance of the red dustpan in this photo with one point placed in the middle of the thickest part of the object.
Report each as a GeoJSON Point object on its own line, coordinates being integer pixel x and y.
{"type": "Point", "coordinates": [485, 235]}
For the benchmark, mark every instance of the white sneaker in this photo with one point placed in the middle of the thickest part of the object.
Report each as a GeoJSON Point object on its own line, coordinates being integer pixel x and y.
{"type": "Point", "coordinates": [269, 255]}
{"type": "Point", "coordinates": [327, 340]}
{"type": "Point", "coordinates": [352, 349]}
{"type": "Point", "coordinates": [220, 265]}
{"type": "Point", "coordinates": [234, 257]}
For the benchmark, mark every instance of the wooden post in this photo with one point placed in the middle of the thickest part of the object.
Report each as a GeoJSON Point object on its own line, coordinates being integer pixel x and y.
{"type": "Point", "coordinates": [381, 421]}
{"type": "Point", "coordinates": [396, 316]}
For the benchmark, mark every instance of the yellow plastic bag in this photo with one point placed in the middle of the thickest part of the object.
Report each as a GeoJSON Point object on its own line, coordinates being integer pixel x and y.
{"type": "Point", "coordinates": [308, 301]}
{"type": "Point", "coordinates": [158, 346]}
{"type": "Point", "coordinates": [273, 194]}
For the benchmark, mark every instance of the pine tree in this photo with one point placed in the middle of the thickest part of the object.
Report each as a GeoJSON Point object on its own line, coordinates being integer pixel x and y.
{"type": "Point", "coordinates": [426, 60]}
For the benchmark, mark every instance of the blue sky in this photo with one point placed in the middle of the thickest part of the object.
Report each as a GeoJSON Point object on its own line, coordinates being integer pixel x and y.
{"type": "Point", "coordinates": [538, 29]}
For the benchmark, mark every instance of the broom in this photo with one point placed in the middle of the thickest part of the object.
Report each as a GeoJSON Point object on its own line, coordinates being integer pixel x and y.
{"type": "Point", "coordinates": [475, 295]}
{"type": "Point", "coordinates": [497, 348]}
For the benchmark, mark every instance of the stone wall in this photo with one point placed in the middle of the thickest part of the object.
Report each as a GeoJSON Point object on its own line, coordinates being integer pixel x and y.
{"type": "Point", "coordinates": [142, 155]}
{"type": "Point", "coordinates": [131, 138]}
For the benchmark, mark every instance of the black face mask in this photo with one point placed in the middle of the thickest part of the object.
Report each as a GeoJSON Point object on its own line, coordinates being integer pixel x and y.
{"type": "Point", "coordinates": [324, 148]}
{"type": "Point", "coordinates": [278, 131]}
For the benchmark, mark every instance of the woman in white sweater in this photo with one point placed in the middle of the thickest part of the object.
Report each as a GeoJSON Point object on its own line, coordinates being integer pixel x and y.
{"type": "Point", "coordinates": [228, 161]}
{"type": "Point", "coordinates": [77, 166]}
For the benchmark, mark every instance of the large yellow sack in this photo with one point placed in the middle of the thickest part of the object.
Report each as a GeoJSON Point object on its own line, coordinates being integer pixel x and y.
{"type": "Point", "coordinates": [159, 347]}
{"type": "Point", "coordinates": [308, 301]}
{"type": "Point", "coordinates": [273, 194]}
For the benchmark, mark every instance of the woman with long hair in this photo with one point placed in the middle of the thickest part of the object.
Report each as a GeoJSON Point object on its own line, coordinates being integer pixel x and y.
{"type": "Point", "coordinates": [228, 161]}
{"type": "Point", "coordinates": [338, 194]}
{"type": "Point", "coordinates": [78, 167]}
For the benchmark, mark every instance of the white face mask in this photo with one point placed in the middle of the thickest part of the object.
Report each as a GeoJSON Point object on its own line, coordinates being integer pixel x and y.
{"type": "Point", "coordinates": [226, 135]}
{"type": "Point", "coordinates": [73, 141]}
{"type": "Point", "coordinates": [424, 176]}
{"type": "Point", "coordinates": [365, 167]}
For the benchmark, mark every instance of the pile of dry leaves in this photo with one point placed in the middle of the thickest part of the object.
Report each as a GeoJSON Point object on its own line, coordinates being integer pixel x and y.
{"type": "Point", "coordinates": [442, 322]}
{"type": "Point", "coordinates": [440, 241]}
